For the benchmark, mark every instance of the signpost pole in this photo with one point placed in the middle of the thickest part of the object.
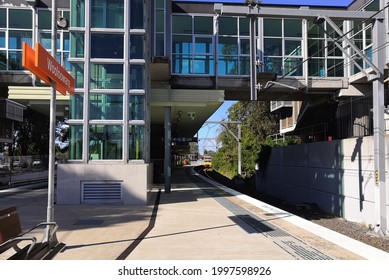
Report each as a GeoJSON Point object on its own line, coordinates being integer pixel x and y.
{"type": "Point", "coordinates": [51, 175]}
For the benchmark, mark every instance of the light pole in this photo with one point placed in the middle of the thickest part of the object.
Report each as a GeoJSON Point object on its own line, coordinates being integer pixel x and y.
{"type": "Point", "coordinates": [51, 175]}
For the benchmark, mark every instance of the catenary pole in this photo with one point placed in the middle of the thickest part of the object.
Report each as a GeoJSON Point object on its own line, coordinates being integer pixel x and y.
{"type": "Point", "coordinates": [379, 127]}
{"type": "Point", "coordinates": [237, 138]}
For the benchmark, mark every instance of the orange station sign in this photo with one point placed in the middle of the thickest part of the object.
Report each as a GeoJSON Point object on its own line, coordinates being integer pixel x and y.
{"type": "Point", "coordinates": [45, 67]}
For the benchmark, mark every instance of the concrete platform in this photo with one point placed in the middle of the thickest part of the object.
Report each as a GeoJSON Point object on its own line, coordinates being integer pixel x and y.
{"type": "Point", "coordinates": [196, 221]}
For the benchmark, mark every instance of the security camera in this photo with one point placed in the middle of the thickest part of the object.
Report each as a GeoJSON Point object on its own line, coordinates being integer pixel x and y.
{"type": "Point", "coordinates": [62, 23]}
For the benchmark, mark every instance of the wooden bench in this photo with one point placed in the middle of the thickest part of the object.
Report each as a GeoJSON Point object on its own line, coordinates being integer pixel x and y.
{"type": "Point", "coordinates": [11, 235]}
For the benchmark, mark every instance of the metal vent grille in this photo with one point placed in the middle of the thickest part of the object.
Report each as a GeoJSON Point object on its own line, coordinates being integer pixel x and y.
{"type": "Point", "coordinates": [101, 191]}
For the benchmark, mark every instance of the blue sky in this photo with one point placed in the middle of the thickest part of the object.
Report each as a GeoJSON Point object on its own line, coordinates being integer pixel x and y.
{"type": "Point", "coordinates": [211, 130]}
{"type": "Point", "coordinates": [333, 3]}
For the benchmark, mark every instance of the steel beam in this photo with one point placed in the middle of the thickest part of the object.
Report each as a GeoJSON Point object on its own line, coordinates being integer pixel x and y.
{"type": "Point", "coordinates": [302, 13]}
{"type": "Point", "coordinates": [353, 46]}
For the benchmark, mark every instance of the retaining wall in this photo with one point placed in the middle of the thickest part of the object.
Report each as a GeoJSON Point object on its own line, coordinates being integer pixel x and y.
{"type": "Point", "coordinates": [338, 176]}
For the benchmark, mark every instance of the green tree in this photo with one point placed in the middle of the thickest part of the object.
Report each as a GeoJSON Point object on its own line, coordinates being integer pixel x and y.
{"type": "Point", "coordinates": [256, 124]}
{"type": "Point", "coordinates": [32, 135]}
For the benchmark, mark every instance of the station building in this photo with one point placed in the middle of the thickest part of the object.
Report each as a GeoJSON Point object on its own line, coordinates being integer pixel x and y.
{"type": "Point", "coordinates": [148, 72]}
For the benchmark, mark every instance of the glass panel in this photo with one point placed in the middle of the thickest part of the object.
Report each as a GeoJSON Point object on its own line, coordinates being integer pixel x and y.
{"type": "Point", "coordinates": [58, 42]}
{"type": "Point", "coordinates": [293, 48]}
{"type": "Point", "coordinates": [77, 13]}
{"type": "Point", "coordinates": [316, 67]}
{"type": "Point", "coordinates": [368, 36]}
{"type": "Point", "coordinates": [77, 71]}
{"type": "Point", "coordinates": [272, 27]}
{"type": "Point", "coordinates": [136, 77]}
{"type": "Point", "coordinates": [65, 61]}
{"type": "Point", "coordinates": [160, 25]}
{"type": "Point", "coordinates": [292, 28]}
{"type": "Point", "coordinates": [182, 44]}
{"type": "Point", "coordinates": [332, 33]}
{"type": "Point", "coordinates": [228, 26]}
{"type": "Point", "coordinates": [16, 39]}
{"type": "Point", "coordinates": [105, 142]}
{"type": "Point", "coordinates": [244, 66]}
{"type": "Point", "coordinates": [77, 43]}
{"type": "Point", "coordinates": [369, 53]}
{"type": "Point", "coordinates": [45, 40]}
{"type": "Point", "coordinates": [59, 57]}
{"type": "Point", "coordinates": [314, 30]}
{"type": "Point", "coordinates": [160, 45]}
{"type": "Point", "coordinates": [20, 19]}
{"type": "Point", "coordinates": [228, 46]}
{"type": "Point", "coordinates": [203, 45]}
{"type": "Point", "coordinates": [44, 19]}
{"type": "Point", "coordinates": [3, 18]}
{"type": "Point", "coordinates": [244, 29]}
{"type": "Point", "coordinates": [75, 142]}
{"type": "Point", "coordinates": [228, 65]}
{"type": "Point", "coordinates": [273, 47]}
{"type": "Point", "coordinates": [3, 60]}
{"type": "Point", "coordinates": [136, 142]}
{"type": "Point", "coordinates": [182, 64]}
{"type": "Point", "coordinates": [15, 61]}
{"type": "Point", "coordinates": [355, 69]}
{"type": "Point", "coordinates": [76, 106]}
{"type": "Point", "coordinates": [203, 25]}
{"type": "Point", "coordinates": [66, 41]}
{"type": "Point", "coordinates": [66, 14]}
{"type": "Point", "coordinates": [293, 67]}
{"type": "Point", "coordinates": [182, 24]}
{"type": "Point", "coordinates": [316, 48]}
{"type": "Point", "coordinates": [160, 4]}
{"type": "Point", "coordinates": [2, 39]}
{"type": "Point", "coordinates": [244, 46]}
{"type": "Point", "coordinates": [373, 6]}
{"type": "Point", "coordinates": [333, 50]}
{"type": "Point", "coordinates": [106, 76]}
{"type": "Point", "coordinates": [203, 65]}
{"type": "Point", "coordinates": [335, 68]}
{"type": "Point", "coordinates": [107, 13]}
{"type": "Point", "coordinates": [136, 17]}
{"type": "Point", "coordinates": [273, 64]}
{"type": "Point", "coordinates": [136, 107]}
{"type": "Point", "coordinates": [137, 47]}
{"type": "Point", "coordinates": [107, 45]}
{"type": "Point", "coordinates": [106, 106]}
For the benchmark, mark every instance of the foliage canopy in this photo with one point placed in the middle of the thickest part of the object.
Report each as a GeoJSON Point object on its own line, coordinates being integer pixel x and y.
{"type": "Point", "coordinates": [257, 127]}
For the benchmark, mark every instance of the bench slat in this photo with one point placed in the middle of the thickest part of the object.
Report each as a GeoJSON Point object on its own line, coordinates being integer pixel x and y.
{"type": "Point", "coordinates": [9, 224]}
{"type": "Point", "coordinates": [7, 211]}
{"type": "Point", "coordinates": [55, 251]}
{"type": "Point", "coordinates": [9, 227]}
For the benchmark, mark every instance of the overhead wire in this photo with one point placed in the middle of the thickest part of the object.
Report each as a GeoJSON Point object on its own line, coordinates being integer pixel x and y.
{"type": "Point", "coordinates": [322, 49]}
{"type": "Point", "coordinates": [333, 68]}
